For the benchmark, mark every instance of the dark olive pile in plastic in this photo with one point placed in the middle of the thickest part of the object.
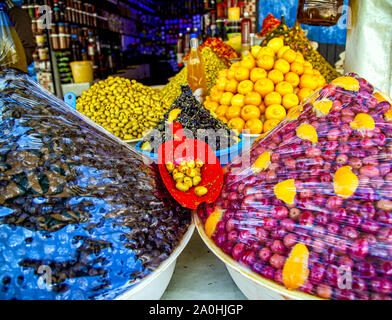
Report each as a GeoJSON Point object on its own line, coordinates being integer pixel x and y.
{"type": "Point", "coordinates": [81, 214]}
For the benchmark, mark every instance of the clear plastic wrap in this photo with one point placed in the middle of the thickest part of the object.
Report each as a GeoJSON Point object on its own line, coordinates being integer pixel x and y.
{"type": "Point", "coordinates": [310, 205]}
{"type": "Point", "coordinates": [82, 216]}
{"type": "Point", "coordinates": [12, 53]}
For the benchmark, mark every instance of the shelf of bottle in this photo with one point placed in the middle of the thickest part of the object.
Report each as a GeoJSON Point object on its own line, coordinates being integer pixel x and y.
{"type": "Point", "coordinates": [135, 20]}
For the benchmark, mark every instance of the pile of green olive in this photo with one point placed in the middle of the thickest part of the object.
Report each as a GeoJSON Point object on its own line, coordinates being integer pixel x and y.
{"type": "Point", "coordinates": [125, 108]}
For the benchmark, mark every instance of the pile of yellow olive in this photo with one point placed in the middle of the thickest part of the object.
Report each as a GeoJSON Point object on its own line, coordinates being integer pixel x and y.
{"type": "Point", "coordinates": [187, 175]}
{"type": "Point", "coordinates": [125, 108]}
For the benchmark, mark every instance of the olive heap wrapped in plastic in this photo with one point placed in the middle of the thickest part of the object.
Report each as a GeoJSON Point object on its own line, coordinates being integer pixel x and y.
{"type": "Point", "coordinates": [82, 216]}
{"type": "Point", "coordinates": [310, 205]}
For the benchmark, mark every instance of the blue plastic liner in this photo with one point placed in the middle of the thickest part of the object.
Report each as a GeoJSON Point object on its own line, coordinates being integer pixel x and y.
{"type": "Point", "coordinates": [225, 155]}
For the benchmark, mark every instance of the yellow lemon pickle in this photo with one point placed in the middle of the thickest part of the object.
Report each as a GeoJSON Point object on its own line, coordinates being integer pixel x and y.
{"type": "Point", "coordinates": [212, 221]}
{"type": "Point", "coordinates": [286, 191]}
{"type": "Point", "coordinates": [322, 107]}
{"type": "Point", "coordinates": [262, 162]}
{"type": "Point", "coordinates": [345, 182]}
{"type": "Point", "coordinates": [307, 132]}
{"type": "Point", "coordinates": [363, 121]}
{"type": "Point", "coordinates": [347, 83]}
{"type": "Point", "coordinates": [296, 270]}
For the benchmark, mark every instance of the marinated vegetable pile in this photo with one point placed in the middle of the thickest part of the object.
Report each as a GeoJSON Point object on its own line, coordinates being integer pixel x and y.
{"type": "Point", "coordinates": [75, 203]}
{"type": "Point", "coordinates": [123, 107]}
{"type": "Point", "coordinates": [194, 117]}
{"type": "Point", "coordinates": [270, 23]}
{"type": "Point", "coordinates": [310, 205]}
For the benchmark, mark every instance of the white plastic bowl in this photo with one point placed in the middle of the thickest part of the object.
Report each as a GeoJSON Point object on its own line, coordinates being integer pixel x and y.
{"type": "Point", "coordinates": [252, 285]}
{"type": "Point", "coordinates": [154, 285]}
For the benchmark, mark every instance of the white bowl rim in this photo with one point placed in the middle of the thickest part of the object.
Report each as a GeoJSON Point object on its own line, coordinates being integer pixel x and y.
{"type": "Point", "coordinates": [138, 286]}
{"type": "Point", "coordinates": [246, 272]}
{"type": "Point", "coordinates": [249, 135]}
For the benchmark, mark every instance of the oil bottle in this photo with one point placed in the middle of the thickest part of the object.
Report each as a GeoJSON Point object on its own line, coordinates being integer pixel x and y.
{"type": "Point", "coordinates": [196, 71]}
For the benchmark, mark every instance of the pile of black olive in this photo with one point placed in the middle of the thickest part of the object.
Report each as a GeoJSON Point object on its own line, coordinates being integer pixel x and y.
{"type": "Point", "coordinates": [202, 125]}
{"type": "Point", "coordinates": [76, 201]}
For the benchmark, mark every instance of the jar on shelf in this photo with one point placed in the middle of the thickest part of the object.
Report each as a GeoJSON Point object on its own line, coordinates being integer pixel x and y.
{"type": "Point", "coordinates": [74, 29]}
{"type": "Point", "coordinates": [73, 15]}
{"type": "Point", "coordinates": [68, 14]}
{"type": "Point", "coordinates": [56, 15]}
{"type": "Point", "coordinates": [62, 41]}
{"type": "Point", "coordinates": [61, 27]}
{"type": "Point", "coordinates": [95, 20]}
{"type": "Point", "coordinates": [234, 13]}
{"type": "Point", "coordinates": [40, 39]}
{"type": "Point", "coordinates": [54, 28]}
{"type": "Point", "coordinates": [40, 25]}
{"type": "Point", "coordinates": [36, 11]}
{"type": "Point", "coordinates": [30, 10]}
{"type": "Point", "coordinates": [43, 54]}
{"type": "Point", "coordinates": [69, 37]}
{"type": "Point", "coordinates": [55, 41]}
{"type": "Point", "coordinates": [221, 10]}
{"type": "Point", "coordinates": [34, 26]}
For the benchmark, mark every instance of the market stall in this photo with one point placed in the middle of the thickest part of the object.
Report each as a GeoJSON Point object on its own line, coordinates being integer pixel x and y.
{"type": "Point", "coordinates": [279, 159]}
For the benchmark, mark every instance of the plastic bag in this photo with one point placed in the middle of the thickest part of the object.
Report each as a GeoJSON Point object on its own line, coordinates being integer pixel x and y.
{"type": "Point", "coordinates": [310, 205]}
{"type": "Point", "coordinates": [12, 53]}
{"type": "Point", "coordinates": [81, 214]}
{"type": "Point", "coordinates": [369, 45]}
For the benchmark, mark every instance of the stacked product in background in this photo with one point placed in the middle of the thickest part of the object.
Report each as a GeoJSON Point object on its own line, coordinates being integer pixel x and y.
{"type": "Point", "coordinates": [310, 206]}
{"type": "Point", "coordinates": [256, 93]}
{"type": "Point", "coordinates": [75, 202]}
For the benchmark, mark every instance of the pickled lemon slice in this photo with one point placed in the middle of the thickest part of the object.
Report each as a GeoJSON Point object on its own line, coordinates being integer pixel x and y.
{"type": "Point", "coordinates": [212, 221]}
{"type": "Point", "coordinates": [173, 115]}
{"type": "Point", "coordinates": [295, 270]}
{"type": "Point", "coordinates": [322, 107]}
{"type": "Point", "coordinates": [286, 191]}
{"type": "Point", "coordinates": [307, 132]}
{"type": "Point", "coordinates": [347, 83]}
{"type": "Point", "coordinates": [381, 96]}
{"type": "Point", "coordinates": [388, 115]}
{"type": "Point", "coordinates": [295, 112]}
{"type": "Point", "coordinates": [262, 162]}
{"type": "Point", "coordinates": [345, 182]}
{"type": "Point", "coordinates": [363, 121]}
